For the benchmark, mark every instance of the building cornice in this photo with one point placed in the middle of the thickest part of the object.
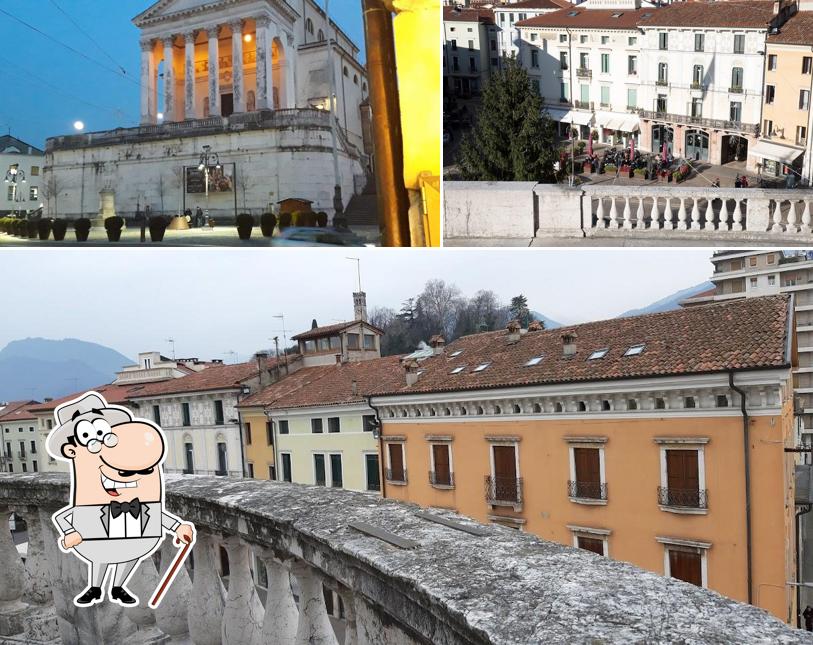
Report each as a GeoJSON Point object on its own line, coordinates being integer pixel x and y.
{"type": "Point", "coordinates": [150, 17]}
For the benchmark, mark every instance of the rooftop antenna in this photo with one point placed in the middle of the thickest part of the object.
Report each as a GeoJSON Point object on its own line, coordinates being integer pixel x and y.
{"type": "Point", "coordinates": [284, 339]}
{"type": "Point", "coordinates": [172, 342]}
{"type": "Point", "coordinates": [231, 352]}
{"type": "Point", "coordinates": [358, 269]}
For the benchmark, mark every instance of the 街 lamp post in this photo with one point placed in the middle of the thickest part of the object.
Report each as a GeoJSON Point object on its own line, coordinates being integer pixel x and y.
{"type": "Point", "coordinates": [15, 176]}
{"type": "Point", "coordinates": [208, 160]}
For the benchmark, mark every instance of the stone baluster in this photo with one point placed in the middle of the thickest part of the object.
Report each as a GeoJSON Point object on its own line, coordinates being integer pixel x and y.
{"type": "Point", "coordinates": [12, 609]}
{"type": "Point", "coordinates": [655, 215]}
{"type": "Point", "coordinates": [237, 65]}
{"type": "Point", "coordinates": [171, 614]}
{"type": "Point", "coordinates": [668, 214]}
{"type": "Point", "coordinates": [794, 217]}
{"type": "Point", "coordinates": [169, 79]}
{"type": "Point", "coordinates": [281, 615]}
{"type": "Point", "coordinates": [243, 615]}
{"type": "Point", "coordinates": [627, 225]}
{"type": "Point", "coordinates": [613, 223]}
{"type": "Point", "coordinates": [639, 215]}
{"type": "Point", "coordinates": [681, 225]}
{"type": "Point", "coordinates": [212, 33]}
{"type": "Point", "coordinates": [695, 224]}
{"type": "Point", "coordinates": [723, 222]}
{"type": "Point", "coordinates": [190, 103]}
{"type": "Point", "coordinates": [804, 229]}
{"type": "Point", "coordinates": [351, 629]}
{"type": "Point", "coordinates": [736, 216]}
{"type": "Point", "coordinates": [37, 582]}
{"type": "Point", "coordinates": [143, 584]}
{"type": "Point", "coordinates": [314, 623]}
{"type": "Point", "coordinates": [148, 94]}
{"type": "Point", "coordinates": [208, 599]}
{"type": "Point", "coordinates": [777, 216]}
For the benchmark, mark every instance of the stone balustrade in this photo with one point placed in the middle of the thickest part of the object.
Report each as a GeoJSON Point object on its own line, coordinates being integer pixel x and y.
{"type": "Point", "coordinates": [526, 209]}
{"type": "Point", "coordinates": [390, 573]}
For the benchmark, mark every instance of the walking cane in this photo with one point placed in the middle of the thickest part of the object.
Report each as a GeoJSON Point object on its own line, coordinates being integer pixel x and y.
{"type": "Point", "coordinates": [169, 576]}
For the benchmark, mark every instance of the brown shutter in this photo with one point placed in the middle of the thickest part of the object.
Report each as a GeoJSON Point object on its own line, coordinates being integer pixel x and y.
{"type": "Point", "coordinates": [587, 465]}
{"type": "Point", "coordinates": [685, 566]}
{"type": "Point", "coordinates": [681, 470]}
{"type": "Point", "coordinates": [591, 544]}
{"type": "Point", "coordinates": [396, 461]}
{"type": "Point", "coordinates": [505, 463]}
{"type": "Point", "coordinates": [440, 453]}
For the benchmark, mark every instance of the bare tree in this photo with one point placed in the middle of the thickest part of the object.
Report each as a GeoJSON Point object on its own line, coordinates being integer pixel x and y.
{"type": "Point", "coordinates": [438, 308]}
{"type": "Point", "coordinates": [161, 191]}
{"type": "Point", "coordinates": [51, 189]}
{"type": "Point", "coordinates": [178, 179]}
{"type": "Point", "coordinates": [244, 182]}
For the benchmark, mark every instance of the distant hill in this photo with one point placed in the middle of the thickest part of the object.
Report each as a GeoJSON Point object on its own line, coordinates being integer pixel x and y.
{"type": "Point", "coordinates": [549, 322]}
{"type": "Point", "coordinates": [669, 303]}
{"type": "Point", "coordinates": [35, 368]}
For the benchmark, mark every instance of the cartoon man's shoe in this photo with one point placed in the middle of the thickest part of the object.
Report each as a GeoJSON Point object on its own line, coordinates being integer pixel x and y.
{"type": "Point", "coordinates": [121, 595]}
{"type": "Point", "coordinates": [91, 596]}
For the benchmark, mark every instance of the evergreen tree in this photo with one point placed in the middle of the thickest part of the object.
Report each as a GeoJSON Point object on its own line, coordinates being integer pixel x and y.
{"type": "Point", "coordinates": [513, 138]}
{"type": "Point", "coordinates": [519, 310]}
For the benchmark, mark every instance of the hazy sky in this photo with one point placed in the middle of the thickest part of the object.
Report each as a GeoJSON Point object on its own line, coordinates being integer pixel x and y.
{"type": "Point", "coordinates": [215, 301]}
{"type": "Point", "coordinates": [46, 87]}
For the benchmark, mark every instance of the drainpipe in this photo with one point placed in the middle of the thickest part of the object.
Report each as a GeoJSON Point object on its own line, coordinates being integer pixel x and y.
{"type": "Point", "coordinates": [381, 477]}
{"type": "Point", "coordinates": [393, 202]}
{"type": "Point", "coordinates": [274, 446]}
{"type": "Point", "coordinates": [746, 442]}
{"type": "Point", "coordinates": [799, 564]}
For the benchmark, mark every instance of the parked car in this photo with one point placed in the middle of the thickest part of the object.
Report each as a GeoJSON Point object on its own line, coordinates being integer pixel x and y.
{"type": "Point", "coordinates": [307, 236]}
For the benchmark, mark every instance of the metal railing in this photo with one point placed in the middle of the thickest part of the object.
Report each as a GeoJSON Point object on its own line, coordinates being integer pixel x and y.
{"type": "Point", "coordinates": [735, 89]}
{"type": "Point", "coordinates": [662, 82]}
{"type": "Point", "coordinates": [441, 479]}
{"type": "Point", "coordinates": [584, 72]}
{"type": "Point", "coordinates": [720, 124]}
{"type": "Point", "coordinates": [583, 105]}
{"type": "Point", "coordinates": [396, 475]}
{"type": "Point", "coordinates": [587, 490]}
{"type": "Point", "coordinates": [683, 497]}
{"type": "Point", "coordinates": [503, 490]}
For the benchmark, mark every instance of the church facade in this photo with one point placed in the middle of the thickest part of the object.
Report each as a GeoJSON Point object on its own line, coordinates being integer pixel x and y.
{"type": "Point", "coordinates": [251, 80]}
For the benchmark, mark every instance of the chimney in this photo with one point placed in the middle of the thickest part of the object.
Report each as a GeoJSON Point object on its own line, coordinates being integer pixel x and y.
{"type": "Point", "coordinates": [411, 367]}
{"type": "Point", "coordinates": [513, 331]}
{"type": "Point", "coordinates": [536, 325]}
{"type": "Point", "coordinates": [314, 324]}
{"type": "Point", "coordinates": [360, 306]}
{"type": "Point", "coordinates": [262, 368]}
{"type": "Point", "coordinates": [48, 399]}
{"type": "Point", "coordinates": [569, 343]}
{"type": "Point", "coordinates": [437, 343]}
{"type": "Point", "coordinates": [354, 387]}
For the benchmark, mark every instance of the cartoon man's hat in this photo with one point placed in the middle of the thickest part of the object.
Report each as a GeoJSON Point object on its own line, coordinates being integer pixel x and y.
{"type": "Point", "coordinates": [70, 413]}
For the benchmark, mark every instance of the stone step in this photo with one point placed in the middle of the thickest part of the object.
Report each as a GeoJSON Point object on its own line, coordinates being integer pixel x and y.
{"type": "Point", "coordinates": [362, 210]}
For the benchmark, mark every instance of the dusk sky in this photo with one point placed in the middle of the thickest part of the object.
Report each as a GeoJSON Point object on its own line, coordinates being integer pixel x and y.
{"type": "Point", "coordinates": [215, 301]}
{"type": "Point", "coordinates": [47, 87]}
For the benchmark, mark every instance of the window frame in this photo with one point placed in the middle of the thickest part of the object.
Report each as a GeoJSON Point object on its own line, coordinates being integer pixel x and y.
{"type": "Point", "coordinates": [591, 533]}
{"type": "Point", "coordinates": [448, 444]}
{"type": "Point", "coordinates": [690, 546]}
{"type": "Point", "coordinates": [594, 443]}
{"type": "Point", "coordinates": [697, 444]}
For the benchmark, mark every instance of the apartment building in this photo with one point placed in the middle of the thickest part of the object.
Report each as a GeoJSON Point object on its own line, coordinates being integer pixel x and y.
{"type": "Point", "coordinates": [784, 143]}
{"type": "Point", "coordinates": [26, 191]}
{"type": "Point", "coordinates": [585, 63]}
{"type": "Point", "coordinates": [470, 50]}
{"type": "Point", "coordinates": [624, 437]}
{"type": "Point", "coordinates": [21, 451]}
{"type": "Point", "coordinates": [507, 15]}
{"type": "Point", "coordinates": [702, 78]}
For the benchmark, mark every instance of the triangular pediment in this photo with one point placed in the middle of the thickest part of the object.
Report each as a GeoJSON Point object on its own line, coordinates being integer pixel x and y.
{"type": "Point", "coordinates": [168, 9]}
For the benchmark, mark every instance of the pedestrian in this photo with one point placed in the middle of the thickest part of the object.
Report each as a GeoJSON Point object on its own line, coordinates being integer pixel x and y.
{"type": "Point", "coordinates": [744, 181]}
{"type": "Point", "coordinates": [199, 217]}
{"type": "Point", "coordinates": [144, 220]}
{"type": "Point", "coordinates": [737, 182]}
{"type": "Point", "coordinates": [808, 616]}
{"type": "Point", "coordinates": [716, 183]}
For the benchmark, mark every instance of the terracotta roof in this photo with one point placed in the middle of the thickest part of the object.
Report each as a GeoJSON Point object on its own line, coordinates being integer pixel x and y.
{"type": "Point", "coordinates": [220, 377]}
{"type": "Point", "coordinates": [17, 411]}
{"type": "Point", "coordinates": [753, 14]}
{"type": "Point", "coordinates": [330, 384]}
{"type": "Point", "coordinates": [534, 4]}
{"type": "Point", "coordinates": [452, 14]}
{"type": "Point", "coordinates": [111, 393]}
{"type": "Point", "coordinates": [317, 332]}
{"type": "Point", "coordinates": [742, 334]}
{"type": "Point", "coordinates": [592, 18]}
{"type": "Point", "coordinates": [798, 30]}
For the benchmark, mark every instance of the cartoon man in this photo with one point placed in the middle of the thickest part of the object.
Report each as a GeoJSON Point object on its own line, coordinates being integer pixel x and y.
{"type": "Point", "coordinates": [116, 517]}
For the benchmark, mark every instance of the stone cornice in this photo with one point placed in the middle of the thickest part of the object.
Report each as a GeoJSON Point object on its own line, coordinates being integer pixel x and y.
{"type": "Point", "coordinates": [150, 17]}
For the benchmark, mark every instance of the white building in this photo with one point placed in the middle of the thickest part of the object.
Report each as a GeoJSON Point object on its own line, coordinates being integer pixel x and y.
{"type": "Point", "coordinates": [250, 79]}
{"type": "Point", "coordinates": [702, 77]}
{"type": "Point", "coordinates": [21, 447]}
{"type": "Point", "coordinates": [153, 366]}
{"type": "Point", "coordinates": [506, 16]}
{"type": "Point", "coordinates": [26, 194]}
{"type": "Point", "coordinates": [585, 62]}
{"type": "Point", "coordinates": [470, 50]}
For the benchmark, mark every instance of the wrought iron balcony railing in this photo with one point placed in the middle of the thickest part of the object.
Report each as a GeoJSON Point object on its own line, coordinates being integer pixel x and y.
{"type": "Point", "coordinates": [683, 497]}
{"type": "Point", "coordinates": [735, 89]}
{"type": "Point", "coordinates": [720, 124]}
{"type": "Point", "coordinates": [583, 105]}
{"type": "Point", "coordinates": [503, 490]}
{"type": "Point", "coordinates": [662, 82]}
{"type": "Point", "coordinates": [441, 479]}
{"type": "Point", "coordinates": [398, 476]}
{"type": "Point", "coordinates": [584, 72]}
{"type": "Point", "coordinates": [587, 490]}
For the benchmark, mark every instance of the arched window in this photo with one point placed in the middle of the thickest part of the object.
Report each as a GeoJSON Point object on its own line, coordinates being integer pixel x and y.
{"type": "Point", "coordinates": [189, 455]}
{"type": "Point", "coordinates": [356, 79]}
{"type": "Point", "coordinates": [321, 35]}
{"type": "Point", "coordinates": [309, 26]}
{"type": "Point", "coordinates": [222, 456]}
{"type": "Point", "coordinates": [345, 71]}
{"type": "Point", "coordinates": [364, 87]}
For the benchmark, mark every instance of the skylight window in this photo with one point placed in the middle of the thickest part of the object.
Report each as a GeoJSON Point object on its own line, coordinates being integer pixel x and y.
{"type": "Point", "coordinates": [599, 353]}
{"type": "Point", "coordinates": [457, 370]}
{"type": "Point", "coordinates": [481, 367]}
{"type": "Point", "coordinates": [572, 14]}
{"type": "Point", "coordinates": [634, 350]}
{"type": "Point", "coordinates": [617, 15]}
{"type": "Point", "coordinates": [536, 360]}
{"type": "Point", "coordinates": [456, 353]}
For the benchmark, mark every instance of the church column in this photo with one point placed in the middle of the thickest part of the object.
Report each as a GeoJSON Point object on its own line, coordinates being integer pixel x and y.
{"type": "Point", "coordinates": [264, 63]}
{"type": "Point", "coordinates": [214, 71]}
{"type": "Point", "coordinates": [190, 104]}
{"type": "Point", "coordinates": [237, 66]}
{"type": "Point", "coordinates": [169, 79]}
{"type": "Point", "coordinates": [147, 82]}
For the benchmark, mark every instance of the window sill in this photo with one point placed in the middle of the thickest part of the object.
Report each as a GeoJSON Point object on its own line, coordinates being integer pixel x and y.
{"type": "Point", "coordinates": [588, 501]}
{"type": "Point", "coordinates": [443, 486]}
{"type": "Point", "coordinates": [396, 483]}
{"type": "Point", "coordinates": [514, 505]}
{"type": "Point", "coordinates": [683, 510]}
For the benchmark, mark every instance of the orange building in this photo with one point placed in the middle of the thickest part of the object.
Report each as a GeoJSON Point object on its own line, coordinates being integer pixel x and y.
{"type": "Point", "coordinates": [626, 437]}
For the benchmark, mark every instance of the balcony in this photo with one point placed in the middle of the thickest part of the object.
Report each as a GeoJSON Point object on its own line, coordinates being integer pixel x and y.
{"type": "Point", "coordinates": [504, 491]}
{"type": "Point", "coordinates": [593, 491]}
{"type": "Point", "coordinates": [21, 454]}
{"type": "Point", "coordinates": [735, 89]}
{"type": "Point", "coordinates": [188, 471]}
{"type": "Point", "coordinates": [396, 476]}
{"type": "Point", "coordinates": [719, 124]}
{"type": "Point", "coordinates": [221, 473]}
{"type": "Point", "coordinates": [696, 86]}
{"type": "Point", "coordinates": [584, 72]}
{"type": "Point", "coordinates": [583, 105]}
{"type": "Point", "coordinates": [429, 586]}
{"type": "Point", "coordinates": [683, 498]}
{"type": "Point", "coordinates": [441, 480]}
{"type": "Point", "coordinates": [662, 83]}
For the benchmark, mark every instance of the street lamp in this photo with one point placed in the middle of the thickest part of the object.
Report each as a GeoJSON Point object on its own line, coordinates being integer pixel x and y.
{"type": "Point", "coordinates": [15, 176]}
{"type": "Point", "coordinates": [208, 160]}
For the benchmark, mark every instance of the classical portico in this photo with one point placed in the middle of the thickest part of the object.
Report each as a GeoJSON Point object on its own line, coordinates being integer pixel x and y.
{"type": "Point", "coordinates": [213, 60]}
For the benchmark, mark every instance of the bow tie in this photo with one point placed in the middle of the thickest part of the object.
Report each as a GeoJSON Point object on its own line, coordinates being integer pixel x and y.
{"type": "Point", "coordinates": [133, 508]}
